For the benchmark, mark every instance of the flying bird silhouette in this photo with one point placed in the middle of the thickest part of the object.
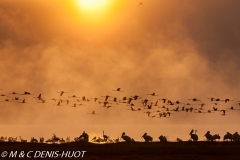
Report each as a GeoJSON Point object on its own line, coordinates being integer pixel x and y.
{"type": "Point", "coordinates": [119, 90]}
{"type": "Point", "coordinates": [62, 92]}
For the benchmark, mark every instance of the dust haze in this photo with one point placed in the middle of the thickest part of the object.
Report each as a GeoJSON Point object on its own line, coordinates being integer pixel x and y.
{"type": "Point", "coordinates": [178, 49]}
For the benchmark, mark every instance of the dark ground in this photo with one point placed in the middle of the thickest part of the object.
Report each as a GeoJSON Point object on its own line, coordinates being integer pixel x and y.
{"type": "Point", "coordinates": [137, 150]}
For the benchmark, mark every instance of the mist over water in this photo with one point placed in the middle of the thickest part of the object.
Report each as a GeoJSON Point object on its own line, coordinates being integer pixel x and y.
{"type": "Point", "coordinates": [179, 50]}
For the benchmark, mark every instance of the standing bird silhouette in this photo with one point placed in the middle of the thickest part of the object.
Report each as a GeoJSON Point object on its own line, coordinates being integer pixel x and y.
{"type": "Point", "coordinates": [194, 136]}
{"type": "Point", "coordinates": [126, 138]}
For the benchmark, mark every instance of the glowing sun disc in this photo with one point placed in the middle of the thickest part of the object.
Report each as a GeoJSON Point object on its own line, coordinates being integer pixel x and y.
{"type": "Point", "coordinates": [93, 5]}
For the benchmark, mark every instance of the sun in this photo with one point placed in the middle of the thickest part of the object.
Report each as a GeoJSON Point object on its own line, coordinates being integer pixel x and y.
{"type": "Point", "coordinates": [94, 6]}
{"type": "Point", "coordinates": [96, 13]}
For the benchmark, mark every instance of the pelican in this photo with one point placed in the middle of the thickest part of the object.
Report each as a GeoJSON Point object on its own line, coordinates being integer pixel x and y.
{"type": "Point", "coordinates": [22, 101]}
{"type": "Point", "coordinates": [202, 104]}
{"type": "Point", "coordinates": [149, 106]}
{"type": "Point", "coordinates": [153, 94]}
{"type": "Point", "coordinates": [224, 112]}
{"type": "Point", "coordinates": [106, 97]}
{"type": "Point", "coordinates": [199, 111]}
{"type": "Point", "coordinates": [136, 97]}
{"type": "Point", "coordinates": [132, 109]}
{"type": "Point", "coordinates": [93, 113]}
{"type": "Point", "coordinates": [73, 96]}
{"type": "Point", "coordinates": [164, 100]}
{"type": "Point", "coordinates": [211, 99]}
{"type": "Point", "coordinates": [194, 137]}
{"type": "Point", "coordinates": [108, 107]}
{"type": "Point", "coordinates": [16, 98]}
{"type": "Point", "coordinates": [162, 138]}
{"type": "Point", "coordinates": [75, 105]}
{"type": "Point", "coordinates": [105, 137]}
{"type": "Point", "coordinates": [209, 111]}
{"type": "Point", "coordinates": [129, 100]}
{"type": "Point", "coordinates": [67, 101]}
{"type": "Point", "coordinates": [39, 96]}
{"type": "Point", "coordinates": [170, 102]}
{"type": "Point", "coordinates": [42, 101]}
{"type": "Point", "coordinates": [183, 108]}
{"type": "Point", "coordinates": [58, 104]}
{"type": "Point", "coordinates": [232, 108]}
{"type": "Point", "coordinates": [148, 112]}
{"type": "Point", "coordinates": [7, 100]}
{"type": "Point", "coordinates": [115, 99]}
{"type": "Point", "coordinates": [61, 92]}
{"type": "Point", "coordinates": [13, 93]}
{"type": "Point", "coordinates": [54, 99]}
{"type": "Point", "coordinates": [194, 99]}
{"type": "Point", "coordinates": [228, 136]}
{"type": "Point", "coordinates": [26, 93]}
{"type": "Point", "coordinates": [147, 138]}
{"type": "Point", "coordinates": [226, 100]}
{"type": "Point", "coordinates": [95, 99]}
{"type": "Point", "coordinates": [105, 103]}
{"type": "Point", "coordinates": [177, 102]}
{"type": "Point", "coordinates": [118, 90]}
{"type": "Point", "coordinates": [22, 140]}
{"type": "Point", "coordinates": [176, 109]}
{"type": "Point", "coordinates": [126, 138]}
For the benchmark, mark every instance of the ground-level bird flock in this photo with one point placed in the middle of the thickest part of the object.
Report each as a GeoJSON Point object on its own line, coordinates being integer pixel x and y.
{"type": "Point", "coordinates": [150, 104]}
{"type": "Point", "coordinates": [84, 137]}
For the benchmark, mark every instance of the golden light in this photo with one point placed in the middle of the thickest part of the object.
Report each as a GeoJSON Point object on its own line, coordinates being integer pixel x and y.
{"type": "Point", "coordinates": [96, 14]}
{"type": "Point", "coordinates": [94, 6]}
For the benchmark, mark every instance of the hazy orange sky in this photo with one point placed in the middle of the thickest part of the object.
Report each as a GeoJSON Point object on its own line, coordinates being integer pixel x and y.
{"type": "Point", "coordinates": [177, 49]}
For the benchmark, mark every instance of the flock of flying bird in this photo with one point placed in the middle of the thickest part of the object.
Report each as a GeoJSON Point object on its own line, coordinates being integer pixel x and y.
{"type": "Point", "coordinates": [150, 105]}
{"type": "Point", "coordinates": [157, 108]}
